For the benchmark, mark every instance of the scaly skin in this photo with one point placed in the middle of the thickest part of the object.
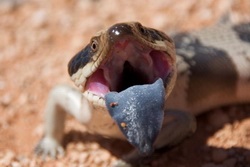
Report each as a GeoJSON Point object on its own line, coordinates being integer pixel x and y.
{"type": "Point", "coordinates": [213, 69]}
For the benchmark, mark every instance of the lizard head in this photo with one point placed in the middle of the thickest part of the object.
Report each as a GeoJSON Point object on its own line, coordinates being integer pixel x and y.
{"type": "Point", "coordinates": [124, 55]}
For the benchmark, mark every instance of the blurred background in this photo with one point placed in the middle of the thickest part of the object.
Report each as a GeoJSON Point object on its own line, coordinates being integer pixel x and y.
{"type": "Point", "coordinates": [37, 39]}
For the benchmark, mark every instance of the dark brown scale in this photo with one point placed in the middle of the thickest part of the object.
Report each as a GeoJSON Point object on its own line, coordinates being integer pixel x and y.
{"type": "Point", "coordinates": [113, 104]}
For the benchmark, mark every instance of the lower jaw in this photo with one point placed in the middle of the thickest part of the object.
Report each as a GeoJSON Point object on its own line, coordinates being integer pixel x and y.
{"type": "Point", "coordinates": [94, 99]}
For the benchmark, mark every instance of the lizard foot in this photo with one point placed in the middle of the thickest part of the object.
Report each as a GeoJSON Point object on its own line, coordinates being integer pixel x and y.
{"type": "Point", "coordinates": [49, 147]}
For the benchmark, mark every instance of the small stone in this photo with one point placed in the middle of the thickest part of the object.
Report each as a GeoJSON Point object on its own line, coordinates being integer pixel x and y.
{"type": "Point", "coordinates": [59, 164]}
{"type": "Point", "coordinates": [97, 160]}
{"type": "Point", "coordinates": [73, 155]}
{"type": "Point", "coordinates": [105, 155]}
{"type": "Point", "coordinates": [9, 5]}
{"type": "Point", "coordinates": [39, 19]}
{"type": "Point", "coordinates": [7, 158]}
{"type": "Point", "coordinates": [2, 85]}
{"type": "Point", "coordinates": [83, 157]}
{"type": "Point", "coordinates": [71, 146]}
{"type": "Point", "coordinates": [23, 99]}
{"type": "Point", "coordinates": [219, 155]}
{"type": "Point", "coordinates": [5, 100]}
{"type": "Point", "coordinates": [80, 147]}
{"type": "Point", "coordinates": [230, 162]}
{"type": "Point", "coordinates": [94, 146]}
{"type": "Point", "coordinates": [113, 104]}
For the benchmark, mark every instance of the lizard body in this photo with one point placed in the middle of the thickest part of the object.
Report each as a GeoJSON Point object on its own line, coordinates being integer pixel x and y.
{"type": "Point", "coordinates": [212, 68]}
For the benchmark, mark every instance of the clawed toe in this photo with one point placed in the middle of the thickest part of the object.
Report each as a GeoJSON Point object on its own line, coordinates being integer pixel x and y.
{"type": "Point", "coordinates": [48, 147]}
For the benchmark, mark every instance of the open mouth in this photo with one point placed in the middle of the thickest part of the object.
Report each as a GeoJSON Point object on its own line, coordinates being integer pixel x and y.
{"type": "Point", "coordinates": [127, 64]}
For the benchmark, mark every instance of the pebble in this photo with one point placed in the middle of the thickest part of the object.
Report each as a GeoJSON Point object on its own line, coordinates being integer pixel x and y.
{"type": "Point", "coordinates": [59, 164]}
{"type": "Point", "coordinates": [99, 158]}
{"type": "Point", "coordinates": [94, 146]}
{"type": "Point", "coordinates": [2, 84]}
{"type": "Point", "coordinates": [23, 99]}
{"type": "Point", "coordinates": [5, 100]}
{"type": "Point", "coordinates": [219, 155]}
{"type": "Point", "coordinates": [73, 156]}
{"type": "Point", "coordinates": [83, 157]}
{"type": "Point", "coordinates": [80, 147]}
{"type": "Point", "coordinates": [39, 19]}
{"type": "Point", "coordinates": [9, 5]}
{"type": "Point", "coordinates": [6, 158]}
{"type": "Point", "coordinates": [105, 155]}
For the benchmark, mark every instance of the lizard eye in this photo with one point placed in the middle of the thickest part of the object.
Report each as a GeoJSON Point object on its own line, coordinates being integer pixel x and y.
{"type": "Point", "coordinates": [94, 45]}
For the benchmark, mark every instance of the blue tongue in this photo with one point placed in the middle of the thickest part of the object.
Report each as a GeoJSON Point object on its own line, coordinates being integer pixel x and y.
{"type": "Point", "coordinates": [138, 111]}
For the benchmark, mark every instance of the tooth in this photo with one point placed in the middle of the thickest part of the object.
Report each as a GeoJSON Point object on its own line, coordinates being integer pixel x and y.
{"type": "Point", "coordinates": [96, 100]}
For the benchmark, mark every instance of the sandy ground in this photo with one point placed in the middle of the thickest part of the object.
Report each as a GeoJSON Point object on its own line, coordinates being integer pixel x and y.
{"type": "Point", "coordinates": [37, 39]}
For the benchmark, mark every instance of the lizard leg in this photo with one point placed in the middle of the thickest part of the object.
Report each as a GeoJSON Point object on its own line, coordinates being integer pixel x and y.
{"type": "Point", "coordinates": [62, 99]}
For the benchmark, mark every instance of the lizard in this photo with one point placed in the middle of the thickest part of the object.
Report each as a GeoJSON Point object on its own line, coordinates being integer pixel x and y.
{"type": "Point", "coordinates": [200, 70]}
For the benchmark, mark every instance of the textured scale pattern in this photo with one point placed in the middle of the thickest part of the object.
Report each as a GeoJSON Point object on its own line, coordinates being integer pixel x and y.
{"type": "Point", "coordinates": [213, 68]}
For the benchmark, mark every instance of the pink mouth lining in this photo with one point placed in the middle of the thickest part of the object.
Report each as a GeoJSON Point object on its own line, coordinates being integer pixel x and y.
{"type": "Point", "coordinates": [97, 83]}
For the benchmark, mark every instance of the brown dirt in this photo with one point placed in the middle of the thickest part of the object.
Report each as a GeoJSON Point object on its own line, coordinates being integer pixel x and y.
{"type": "Point", "coordinates": [37, 39]}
